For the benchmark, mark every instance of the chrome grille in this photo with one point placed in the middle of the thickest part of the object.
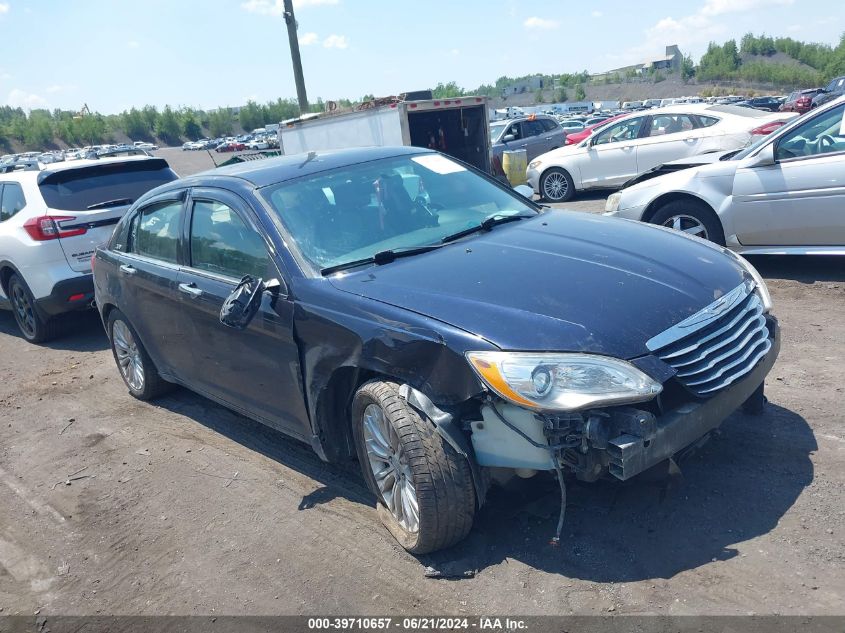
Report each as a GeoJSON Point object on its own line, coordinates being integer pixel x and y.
{"type": "Point", "coordinates": [718, 345]}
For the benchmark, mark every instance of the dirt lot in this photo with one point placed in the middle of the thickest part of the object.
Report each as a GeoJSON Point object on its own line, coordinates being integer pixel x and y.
{"type": "Point", "coordinates": [110, 505]}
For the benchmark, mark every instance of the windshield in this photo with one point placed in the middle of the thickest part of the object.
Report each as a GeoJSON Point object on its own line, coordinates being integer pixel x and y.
{"type": "Point", "coordinates": [496, 131]}
{"type": "Point", "coordinates": [354, 212]}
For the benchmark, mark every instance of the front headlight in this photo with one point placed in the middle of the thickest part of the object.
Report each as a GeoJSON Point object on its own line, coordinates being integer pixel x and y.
{"type": "Point", "coordinates": [612, 204]}
{"type": "Point", "coordinates": [759, 282]}
{"type": "Point", "coordinates": [534, 164]}
{"type": "Point", "coordinates": [562, 382]}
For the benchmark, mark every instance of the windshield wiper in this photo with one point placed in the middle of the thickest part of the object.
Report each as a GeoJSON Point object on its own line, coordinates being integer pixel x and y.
{"type": "Point", "coordinates": [382, 257]}
{"type": "Point", "coordinates": [486, 224]}
{"type": "Point", "coordinates": [109, 203]}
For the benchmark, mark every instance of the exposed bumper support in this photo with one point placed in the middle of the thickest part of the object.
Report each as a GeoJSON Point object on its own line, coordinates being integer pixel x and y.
{"type": "Point", "coordinates": [674, 431]}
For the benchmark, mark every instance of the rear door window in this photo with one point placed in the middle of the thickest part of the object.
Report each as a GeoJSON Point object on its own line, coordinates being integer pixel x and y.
{"type": "Point", "coordinates": [224, 244]}
{"type": "Point", "coordinates": [154, 232]}
{"type": "Point", "coordinates": [11, 200]}
{"type": "Point", "coordinates": [670, 124]}
{"type": "Point", "coordinates": [78, 189]}
{"type": "Point", "coordinates": [532, 128]}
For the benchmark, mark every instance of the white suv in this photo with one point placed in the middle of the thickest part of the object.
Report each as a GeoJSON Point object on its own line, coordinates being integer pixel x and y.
{"type": "Point", "coordinates": [52, 217]}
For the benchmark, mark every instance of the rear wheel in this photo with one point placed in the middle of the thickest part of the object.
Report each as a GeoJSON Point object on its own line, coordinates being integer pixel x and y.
{"type": "Point", "coordinates": [424, 488]}
{"type": "Point", "coordinates": [32, 325]}
{"type": "Point", "coordinates": [135, 365]}
{"type": "Point", "coordinates": [556, 185]}
{"type": "Point", "coordinates": [692, 217]}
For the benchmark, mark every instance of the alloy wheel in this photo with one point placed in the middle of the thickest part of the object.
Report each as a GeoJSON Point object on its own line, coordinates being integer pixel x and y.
{"type": "Point", "coordinates": [555, 186]}
{"type": "Point", "coordinates": [390, 468]}
{"type": "Point", "coordinates": [687, 224]}
{"type": "Point", "coordinates": [128, 356]}
{"type": "Point", "coordinates": [23, 310]}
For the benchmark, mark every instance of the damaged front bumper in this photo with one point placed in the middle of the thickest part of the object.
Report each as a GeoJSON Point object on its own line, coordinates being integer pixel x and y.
{"type": "Point", "coordinates": [623, 441]}
{"type": "Point", "coordinates": [675, 430]}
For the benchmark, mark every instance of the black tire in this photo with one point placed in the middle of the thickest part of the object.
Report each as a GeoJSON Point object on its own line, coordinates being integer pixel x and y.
{"type": "Point", "coordinates": [444, 490]}
{"type": "Point", "coordinates": [553, 194]}
{"type": "Point", "coordinates": [33, 326]}
{"type": "Point", "coordinates": [153, 384]}
{"type": "Point", "coordinates": [695, 209]}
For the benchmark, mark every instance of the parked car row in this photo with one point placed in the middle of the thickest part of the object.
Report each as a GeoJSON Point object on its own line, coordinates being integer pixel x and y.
{"type": "Point", "coordinates": [267, 140]}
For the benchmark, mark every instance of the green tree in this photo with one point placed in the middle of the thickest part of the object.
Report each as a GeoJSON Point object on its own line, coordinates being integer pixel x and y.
{"type": "Point", "coordinates": [221, 122]}
{"type": "Point", "coordinates": [167, 126]}
{"type": "Point", "coordinates": [190, 124]}
{"type": "Point", "coordinates": [538, 97]}
{"type": "Point", "coordinates": [251, 116]}
{"type": "Point", "coordinates": [580, 94]}
{"type": "Point", "coordinates": [447, 91]}
{"type": "Point", "coordinates": [134, 124]}
{"type": "Point", "coordinates": [687, 68]}
{"type": "Point", "coordinates": [560, 96]}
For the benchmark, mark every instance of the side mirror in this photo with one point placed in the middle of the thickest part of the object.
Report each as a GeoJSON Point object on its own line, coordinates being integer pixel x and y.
{"type": "Point", "coordinates": [525, 191]}
{"type": "Point", "coordinates": [242, 305]}
{"type": "Point", "coordinates": [763, 158]}
{"type": "Point", "coordinates": [508, 137]}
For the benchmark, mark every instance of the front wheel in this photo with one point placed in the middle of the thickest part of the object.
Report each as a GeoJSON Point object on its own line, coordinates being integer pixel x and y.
{"type": "Point", "coordinates": [556, 185]}
{"type": "Point", "coordinates": [692, 217]}
{"type": "Point", "coordinates": [424, 487]}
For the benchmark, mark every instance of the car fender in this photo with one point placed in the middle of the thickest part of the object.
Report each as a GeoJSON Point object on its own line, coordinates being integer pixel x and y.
{"type": "Point", "coordinates": [345, 340]}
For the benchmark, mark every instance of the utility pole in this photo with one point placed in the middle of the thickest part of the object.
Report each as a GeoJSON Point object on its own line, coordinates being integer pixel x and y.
{"type": "Point", "coordinates": [290, 20]}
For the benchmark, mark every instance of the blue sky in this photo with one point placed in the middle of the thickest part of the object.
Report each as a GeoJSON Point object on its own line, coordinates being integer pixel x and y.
{"type": "Point", "coordinates": [113, 54]}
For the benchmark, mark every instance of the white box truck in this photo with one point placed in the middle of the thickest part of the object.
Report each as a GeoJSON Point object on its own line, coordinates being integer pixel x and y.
{"type": "Point", "coordinates": [457, 127]}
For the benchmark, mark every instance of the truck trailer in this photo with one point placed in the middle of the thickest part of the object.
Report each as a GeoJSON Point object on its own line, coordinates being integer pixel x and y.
{"type": "Point", "coordinates": [457, 127]}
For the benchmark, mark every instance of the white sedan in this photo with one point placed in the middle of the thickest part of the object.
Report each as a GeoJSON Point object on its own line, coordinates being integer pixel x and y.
{"type": "Point", "coordinates": [783, 195]}
{"type": "Point", "coordinates": [642, 140]}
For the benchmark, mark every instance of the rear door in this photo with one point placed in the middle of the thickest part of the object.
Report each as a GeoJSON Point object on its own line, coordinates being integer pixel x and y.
{"type": "Point", "coordinates": [255, 369]}
{"type": "Point", "coordinates": [86, 202]}
{"type": "Point", "coordinates": [668, 137]}
{"type": "Point", "coordinates": [146, 287]}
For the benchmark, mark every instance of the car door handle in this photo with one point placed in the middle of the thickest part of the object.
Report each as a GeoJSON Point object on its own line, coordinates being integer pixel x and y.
{"type": "Point", "coordinates": [690, 138]}
{"type": "Point", "coordinates": [190, 289]}
{"type": "Point", "coordinates": [126, 269]}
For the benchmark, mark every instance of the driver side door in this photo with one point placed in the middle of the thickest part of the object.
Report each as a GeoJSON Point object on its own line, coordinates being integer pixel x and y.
{"type": "Point", "coordinates": [800, 200]}
{"type": "Point", "coordinates": [255, 370]}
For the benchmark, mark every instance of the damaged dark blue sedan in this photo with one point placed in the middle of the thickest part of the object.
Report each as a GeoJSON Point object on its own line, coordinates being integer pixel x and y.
{"type": "Point", "coordinates": [396, 306]}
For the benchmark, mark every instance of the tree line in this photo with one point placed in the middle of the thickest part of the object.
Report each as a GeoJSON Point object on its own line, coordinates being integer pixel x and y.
{"type": "Point", "coordinates": [730, 61]}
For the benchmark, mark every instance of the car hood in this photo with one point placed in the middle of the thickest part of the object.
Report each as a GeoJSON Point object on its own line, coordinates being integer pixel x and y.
{"type": "Point", "coordinates": [563, 281]}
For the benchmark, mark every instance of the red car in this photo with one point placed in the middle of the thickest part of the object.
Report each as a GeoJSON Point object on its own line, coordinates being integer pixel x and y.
{"type": "Point", "coordinates": [234, 146]}
{"type": "Point", "coordinates": [577, 137]}
{"type": "Point", "coordinates": [800, 101]}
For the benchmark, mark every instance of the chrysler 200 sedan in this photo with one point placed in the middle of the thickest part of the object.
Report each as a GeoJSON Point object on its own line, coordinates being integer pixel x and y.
{"type": "Point", "coordinates": [395, 306]}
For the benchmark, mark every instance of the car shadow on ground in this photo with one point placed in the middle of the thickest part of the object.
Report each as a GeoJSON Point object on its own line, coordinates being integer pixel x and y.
{"type": "Point", "coordinates": [735, 488]}
{"type": "Point", "coordinates": [80, 332]}
{"type": "Point", "coordinates": [803, 268]}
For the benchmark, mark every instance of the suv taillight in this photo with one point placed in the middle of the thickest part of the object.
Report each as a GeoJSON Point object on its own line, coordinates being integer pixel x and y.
{"type": "Point", "coordinates": [45, 227]}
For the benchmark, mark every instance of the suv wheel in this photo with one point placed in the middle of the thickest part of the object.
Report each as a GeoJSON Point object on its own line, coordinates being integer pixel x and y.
{"type": "Point", "coordinates": [556, 185]}
{"type": "Point", "coordinates": [135, 365]}
{"type": "Point", "coordinates": [33, 326]}
{"type": "Point", "coordinates": [424, 488]}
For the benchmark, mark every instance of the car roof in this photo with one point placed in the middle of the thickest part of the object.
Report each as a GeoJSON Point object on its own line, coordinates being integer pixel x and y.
{"type": "Point", "coordinates": [274, 170]}
{"type": "Point", "coordinates": [49, 168]}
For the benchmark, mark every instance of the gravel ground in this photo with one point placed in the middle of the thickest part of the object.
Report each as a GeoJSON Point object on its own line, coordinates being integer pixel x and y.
{"type": "Point", "coordinates": [110, 505]}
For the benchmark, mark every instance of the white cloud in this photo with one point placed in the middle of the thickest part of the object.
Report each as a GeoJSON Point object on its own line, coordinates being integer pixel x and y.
{"type": "Point", "coordinates": [19, 99]}
{"type": "Point", "coordinates": [5, 75]}
{"type": "Point", "coordinates": [306, 39]}
{"type": "Point", "coordinates": [540, 23]}
{"type": "Point", "coordinates": [59, 88]}
{"type": "Point", "coordinates": [597, 14]}
{"type": "Point", "coordinates": [132, 44]}
{"type": "Point", "coordinates": [336, 41]}
{"type": "Point", "coordinates": [277, 7]}
{"type": "Point", "coordinates": [4, 7]}
{"type": "Point", "coordinates": [720, 7]}
{"type": "Point", "coordinates": [455, 52]}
